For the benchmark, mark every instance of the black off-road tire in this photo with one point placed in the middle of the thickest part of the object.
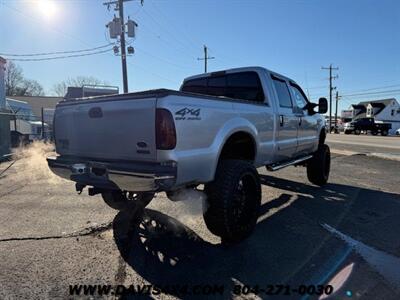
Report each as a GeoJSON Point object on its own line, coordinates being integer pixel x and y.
{"type": "Point", "coordinates": [357, 131]}
{"type": "Point", "coordinates": [384, 132]}
{"type": "Point", "coordinates": [120, 200]}
{"type": "Point", "coordinates": [234, 199]}
{"type": "Point", "coordinates": [318, 167]}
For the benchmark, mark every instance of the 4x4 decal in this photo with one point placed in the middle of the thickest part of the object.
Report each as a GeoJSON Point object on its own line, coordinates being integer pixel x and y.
{"type": "Point", "coordinates": [188, 114]}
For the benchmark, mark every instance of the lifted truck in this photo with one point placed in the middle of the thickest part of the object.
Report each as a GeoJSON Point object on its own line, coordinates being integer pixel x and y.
{"type": "Point", "coordinates": [367, 125]}
{"type": "Point", "coordinates": [215, 131]}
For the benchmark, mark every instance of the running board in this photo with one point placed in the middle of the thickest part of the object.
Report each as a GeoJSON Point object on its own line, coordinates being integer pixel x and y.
{"type": "Point", "coordinates": [276, 167]}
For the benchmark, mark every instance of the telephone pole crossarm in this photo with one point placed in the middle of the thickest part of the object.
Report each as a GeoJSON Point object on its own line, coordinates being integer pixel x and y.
{"type": "Point", "coordinates": [206, 58]}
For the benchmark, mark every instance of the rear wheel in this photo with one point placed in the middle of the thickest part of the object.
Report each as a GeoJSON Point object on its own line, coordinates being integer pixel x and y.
{"type": "Point", "coordinates": [120, 200]}
{"type": "Point", "coordinates": [234, 199]}
{"type": "Point", "coordinates": [318, 167]}
{"type": "Point", "coordinates": [384, 132]}
{"type": "Point", "coordinates": [357, 131]}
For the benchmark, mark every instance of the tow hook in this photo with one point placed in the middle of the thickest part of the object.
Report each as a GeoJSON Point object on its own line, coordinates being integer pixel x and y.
{"type": "Point", "coordinates": [79, 187]}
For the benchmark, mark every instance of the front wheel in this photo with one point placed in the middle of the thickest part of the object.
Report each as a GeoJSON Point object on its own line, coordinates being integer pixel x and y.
{"type": "Point", "coordinates": [234, 199]}
{"type": "Point", "coordinates": [318, 167]}
{"type": "Point", "coordinates": [121, 200]}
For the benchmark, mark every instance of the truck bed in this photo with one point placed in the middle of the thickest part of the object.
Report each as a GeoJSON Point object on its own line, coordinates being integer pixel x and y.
{"type": "Point", "coordinates": [111, 127]}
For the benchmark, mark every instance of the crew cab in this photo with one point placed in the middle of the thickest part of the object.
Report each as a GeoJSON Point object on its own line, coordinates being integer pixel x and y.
{"type": "Point", "coordinates": [215, 131]}
{"type": "Point", "coordinates": [367, 125]}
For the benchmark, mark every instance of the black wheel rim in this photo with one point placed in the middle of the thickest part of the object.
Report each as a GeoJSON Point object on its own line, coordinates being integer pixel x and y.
{"type": "Point", "coordinates": [243, 202]}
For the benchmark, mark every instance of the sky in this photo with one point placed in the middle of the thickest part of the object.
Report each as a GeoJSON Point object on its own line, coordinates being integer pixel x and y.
{"type": "Point", "coordinates": [294, 38]}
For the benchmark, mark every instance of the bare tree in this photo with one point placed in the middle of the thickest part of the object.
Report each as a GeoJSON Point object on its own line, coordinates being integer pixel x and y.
{"type": "Point", "coordinates": [13, 78]}
{"type": "Point", "coordinates": [30, 88]}
{"type": "Point", "coordinates": [60, 89]}
{"type": "Point", "coordinates": [17, 85]}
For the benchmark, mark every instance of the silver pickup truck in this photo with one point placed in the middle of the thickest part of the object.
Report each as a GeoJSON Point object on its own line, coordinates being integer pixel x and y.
{"type": "Point", "coordinates": [214, 132]}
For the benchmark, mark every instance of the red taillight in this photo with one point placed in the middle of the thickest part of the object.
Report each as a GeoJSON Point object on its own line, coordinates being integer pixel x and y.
{"type": "Point", "coordinates": [165, 130]}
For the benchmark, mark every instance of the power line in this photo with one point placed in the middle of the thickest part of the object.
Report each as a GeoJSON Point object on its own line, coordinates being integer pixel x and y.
{"type": "Point", "coordinates": [376, 88]}
{"type": "Point", "coordinates": [57, 52]}
{"type": "Point", "coordinates": [154, 74]}
{"type": "Point", "coordinates": [166, 42]}
{"type": "Point", "coordinates": [162, 59]}
{"type": "Point", "coordinates": [58, 57]}
{"type": "Point", "coordinates": [193, 44]}
{"type": "Point", "coordinates": [317, 87]}
{"type": "Point", "coordinates": [372, 93]}
{"type": "Point", "coordinates": [57, 30]}
{"type": "Point", "coordinates": [38, 21]}
{"type": "Point", "coordinates": [178, 40]}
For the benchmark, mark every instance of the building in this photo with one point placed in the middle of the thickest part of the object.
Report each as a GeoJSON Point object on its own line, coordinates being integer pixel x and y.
{"type": "Point", "coordinates": [4, 115]}
{"type": "Point", "coordinates": [385, 110]}
{"type": "Point", "coordinates": [346, 115]}
{"type": "Point", "coordinates": [37, 103]}
{"type": "Point", "coordinates": [90, 91]}
{"type": "Point", "coordinates": [20, 109]}
{"type": "Point", "coordinates": [25, 126]}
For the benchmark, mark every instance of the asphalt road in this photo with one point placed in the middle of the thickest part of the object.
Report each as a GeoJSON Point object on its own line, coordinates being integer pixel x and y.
{"type": "Point", "coordinates": [365, 143]}
{"type": "Point", "coordinates": [51, 238]}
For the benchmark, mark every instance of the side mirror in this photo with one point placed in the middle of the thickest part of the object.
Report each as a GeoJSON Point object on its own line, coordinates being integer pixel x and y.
{"type": "Point", "coordinates": [322, 105]}
{"type": "Point", "coordinates": [310, 108]}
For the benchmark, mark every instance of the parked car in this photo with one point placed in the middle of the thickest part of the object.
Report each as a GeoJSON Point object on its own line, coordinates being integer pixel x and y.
{"type": "Point", "coordinates": [367, 125]}
{"type": "Point", "coordinates": [215, 131]}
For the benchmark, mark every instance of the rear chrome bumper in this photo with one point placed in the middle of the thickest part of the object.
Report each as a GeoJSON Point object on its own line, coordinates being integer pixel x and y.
{"type": "Point", "coordinates": [123, 175]}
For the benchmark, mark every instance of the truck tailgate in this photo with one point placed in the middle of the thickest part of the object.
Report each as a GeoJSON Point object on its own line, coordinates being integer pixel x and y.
{"type": "Point", "coordinates": [107, 129]}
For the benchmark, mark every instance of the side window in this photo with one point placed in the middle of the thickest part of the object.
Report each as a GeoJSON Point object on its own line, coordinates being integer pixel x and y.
{"type": "Point", "coordinates": [283, 93]}
{"type": "Point", "coordinates": [245, 85]}
{"type": "Point", "coordinates": [299, 97]}
{"type": "Point", "coordinates": [217, 86]}
{"type": "Point", "coordinates": [195, 86]}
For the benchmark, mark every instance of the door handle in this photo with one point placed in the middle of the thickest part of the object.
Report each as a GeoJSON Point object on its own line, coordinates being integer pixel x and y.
{"type": "Point", "coordinates": [281, 120]}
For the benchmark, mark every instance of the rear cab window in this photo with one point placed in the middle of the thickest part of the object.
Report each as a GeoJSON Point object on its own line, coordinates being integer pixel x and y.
{"type": "Point", "coordinates": [241, 85]}
{"type": "Point", "coordinates": [195, 85]}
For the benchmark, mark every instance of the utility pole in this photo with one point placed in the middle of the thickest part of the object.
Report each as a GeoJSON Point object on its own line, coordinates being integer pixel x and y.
{"type": "Point", "coordinates": [330, 68]}
{"type": "Point", "coordinates": [119, 6]}
{"type": "Point", "coordinates": [123, 49]}
{"type": "Point", "coordinates": [42, 120]}
{"type": "Point", "coordinates": [206, 58]}
{"type": "Point", "coordinates": [336, 111]}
